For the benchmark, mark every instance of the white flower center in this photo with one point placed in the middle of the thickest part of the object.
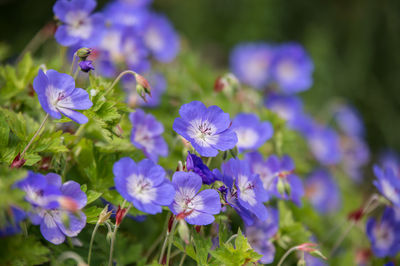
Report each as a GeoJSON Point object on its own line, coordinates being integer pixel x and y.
{"type": "Point", "coordinates": [141, 188]}
{"type": "Point", "coordinates": [203, 132]}
{"type": "Point", "coordinates": [142, 136]}
{"type": "Point", "coordinates": [384, 236]}
{"type": "Point", "coordinates": [79, 24]}
{"type": "Point", "coordinates": [246, 190]}
{"type": "Point", "coordinates": [287, 70]}
{"type": "Point", "coordinates": [154, 40]}
{"type": "Point", "coordinates": [247, 137]}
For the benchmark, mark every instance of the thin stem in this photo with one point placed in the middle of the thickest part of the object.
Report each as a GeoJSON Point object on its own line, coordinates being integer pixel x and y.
{"type": "Point", "coordinates": [70, 255]}
{"type": "Point", "coordinates": [163, 248]}
{"type": "Point", "coordinates": [366, 209]}
{"type": "Point", "coordinates": [209, 161]}
{"type": "Point", "coordinates": [286, 255]}
{"type": "Point", "coordinates": [123, 73]}
{"type": "Point", "coordinates": [231, 238]}
{"type": "Point", "coordinates": [183, 259]}
{"type": "Point", "coordinates": [91, 241]}
{"type": "Point", "coordinates": [73, 63]}
{"type": "Point", "coordinates": [114, 235]}
{"type": "Point", "coordinates": [171, 237]}
{"type": "Point", "coordinates": [34, 136]}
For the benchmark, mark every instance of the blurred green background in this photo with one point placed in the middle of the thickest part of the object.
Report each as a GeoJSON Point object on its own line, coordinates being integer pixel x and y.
{"type": "Point", "coordinates": [354, 44]}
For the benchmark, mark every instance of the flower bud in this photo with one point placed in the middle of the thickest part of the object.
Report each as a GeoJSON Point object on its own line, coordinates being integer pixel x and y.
{"type": "Point", "coordinates": [86, 65]}
{"type": "Point", "coordinates": [226, 83]}
{"type": "Point", "coordinates": [183, 231]}
{"type": "Point", "coordinates": [301, 262]}
{"type": "Point", "coordinates": [18, 161]}
{"type": "Point", "coordinates": [281, 186]}
{"type": "Point", "coordinates": [120, 215]}
{"type": "Point", "coordinates": [83, 53]}
{"type": "Point", "coordinates": [104, 215]}
{"type": "Point", "coordinates": [142, 87]}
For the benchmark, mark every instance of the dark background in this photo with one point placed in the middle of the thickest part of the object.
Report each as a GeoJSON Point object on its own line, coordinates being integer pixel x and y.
{"type": "Point", "coordinates": [354, 44]}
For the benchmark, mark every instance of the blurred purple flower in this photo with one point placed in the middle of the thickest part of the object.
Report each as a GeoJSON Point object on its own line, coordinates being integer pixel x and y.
{"type": "Point", "coordinates": [245, 190]}
{"type": "Point", "coordinates": [388, 184]}
{"type": "Point", "coordinates": [322, 191]}
{"type": "Point", "coordinates": [207, 129]}
{"type": "Point", "coordinates": [349, 120]}
{"type": "Point", "coordinates": [277, 176]}
{"type": "Point", "coordinates": [144, 184]}
{"type": "Point", "coordinates": [147, 135]}
{"type": "Point", "coordinates": [251, 63]}
{"type": "Point", "coordinates": [251, 133]}
{"type": "Point", "coordinates": [79, 26]}
{"type": "Point", "coordinates": [57, 95]}
{"type": "Point", "coordinates": [195, 207]}
{"type": "Point", "coordinates": [384, 235]}
{"type": "Point", "coordinates": [260, 236]}
{"type": "Point", "coordinates": [11, 225]}
{"type": "Point", "coordinates": [56, 220]}
{"type": "Point", "coordinates": [292, 68]}
{"type": "Point", "coordinates": [160, 38]}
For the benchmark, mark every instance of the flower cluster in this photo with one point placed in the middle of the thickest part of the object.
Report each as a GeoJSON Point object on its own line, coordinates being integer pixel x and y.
{"type": "Point", "coordinates": [56, 207]}
{"type": "Point", "coordinates": [261, 65]}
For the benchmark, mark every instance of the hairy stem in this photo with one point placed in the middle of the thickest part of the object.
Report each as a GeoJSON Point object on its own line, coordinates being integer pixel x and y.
{"type": "Point", "coordinates": [91, 242]}
{"type": "Point", "coordinates": [171, 238]}
{"type": "Point", "coordinates": [286, 255]}
{"type": "Point", "coordinates": [34, 136]}
{"type": "Point", "coordinates": [123, 73]}
{"type": "Point", "coordinates": [183, 259]}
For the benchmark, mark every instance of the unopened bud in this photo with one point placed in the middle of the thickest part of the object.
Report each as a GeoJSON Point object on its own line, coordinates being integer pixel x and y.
{"type": "Point", "coordinates": [83, 53]}
{"type": "Point", "coordinates": [86, 66]}
{"type": "Point", "coordinates": [226, 83]}
{"type": "Point", "coordinates": [104, 215]}
{"type": "Point", "coordinates": [142, 87]}
{"type": "Point", "coordinates": [197, 228]}
{"type": "Point", "coordinates": [68, 203]}
{"type": "Point", "coordinates": [18, 161]}
{"type": "Point", "coordinates": [183, 231]}
{"type": "Point", "coordinates": [317, 253]}
{"type": "Point", "coordinates": [120, 215]}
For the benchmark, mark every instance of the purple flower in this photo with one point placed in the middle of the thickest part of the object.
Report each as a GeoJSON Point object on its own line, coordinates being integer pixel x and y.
{"type": "Point", "coordinates": [355, 155]}
{"type": "Point", "coordinates": [11, 226]}
{"type": "Point", "coordinates": [120, 13]}
{"type": "Point", "coordinates": [86, 65]}
{"type": "Point", "coordinates": [288, 107]}
{"type": "Point", "coordinates": [277, 176]}
{"type": "Point", "coordinates": [57, 95]}
{"type": "Point", "coordinates": [388, 183]}
{"type": "Point", "coordinates": [207, 129]}
{"type": "Point", "coordinates": [55, 220]}
{"type": "Point", "coordinates": [158, 87]}
{"type": "Point", "coordinates": [390, 159]}
{"type": "Point", "coordinates": [251, 133]}
{"type": "Point", "coordinates": [251, 63]}
{"type": "Point", "coordinates": [349, 121]}
{"type": "Point", "coordinates": [133, 52]}
{"type": "Point", "coordinates": [161, 38]}
{"type": "Point", "coordinates": [245, 190]}
{"type": "Point", "coordinates": [322, 191]}
{"type": "Point", "coordinates": [292, 68]}
{"type": "Point", "coordinates": [260, 236]}
{"type": "Point", "coordinates": [195, 207]}
{"type": "Point", "coordinates": [195, 164]}
{"type": "Point", "coordinates": [41, 191]}
{"type": "Point", "coordinates": [136, 3]}
{"type": "Point", "coordinates": [324, 144]}
{"type": "Point", "coordinates": [143, 184]}
{"type": "Point", "coordinates": [384, 235]}
{"type": "Point", "coordinates": [79, 26]}
{"type": "Point", "coordinates": [147, 135]}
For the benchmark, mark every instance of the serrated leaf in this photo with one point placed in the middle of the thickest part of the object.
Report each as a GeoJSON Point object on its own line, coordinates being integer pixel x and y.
{"type": "Point", "coordinates": [4, 131]}
{"type": "Point", "coordinates": [92, 196]}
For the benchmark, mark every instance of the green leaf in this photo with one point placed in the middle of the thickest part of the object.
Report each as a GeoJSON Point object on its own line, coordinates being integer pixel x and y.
{"type": "Point", "coordinates": [4, 131]}
{"type": "Point", "coordinates": [240, 254]}
{"type": "Point", "coordinates": [92, 214]}
{"type": "Point", "coordinates": [92, 196]}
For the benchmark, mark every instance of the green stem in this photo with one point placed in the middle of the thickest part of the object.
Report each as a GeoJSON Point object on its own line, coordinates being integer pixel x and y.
{"type": "Point", "coordinates": [209, 161]}
{"type": "Point", "coordinates": [171, 237]}
{"type": "Point", "coordinates": [286, 255]}
{"type": "Point", "coordinates": [123, 73]}
{"type": "Point", "coordinates": [114, 235]}
{"type": "Point", "coordinates": [73, 63]}
{"type": "Point", "coordinates": [91, 241]}
{"type": "Point", "coordinates": [183, 259]}
{"type": "Point", "coordinates": [34, 136]}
